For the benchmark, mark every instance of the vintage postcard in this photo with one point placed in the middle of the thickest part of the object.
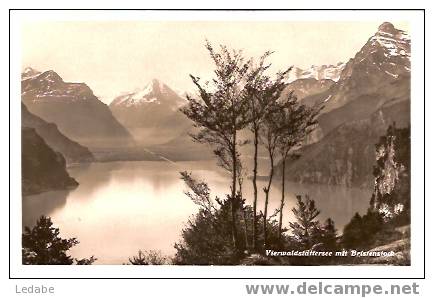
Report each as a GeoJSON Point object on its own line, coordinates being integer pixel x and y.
{"type": "Point", "coordinates": [229, 139]}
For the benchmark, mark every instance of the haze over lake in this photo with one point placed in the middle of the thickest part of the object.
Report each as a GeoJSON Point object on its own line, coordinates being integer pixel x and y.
{"type": "Point", "coordinates": [121, 207]}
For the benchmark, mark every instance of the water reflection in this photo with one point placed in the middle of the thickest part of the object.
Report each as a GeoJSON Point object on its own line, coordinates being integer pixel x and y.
{"type": "Point", "coordinates": [120, 207]}
{"type": "Point", "coordinates": [42, 204]}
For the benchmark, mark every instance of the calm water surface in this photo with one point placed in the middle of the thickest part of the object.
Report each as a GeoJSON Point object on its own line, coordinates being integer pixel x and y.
{"type": "Point", "coordinates": [121, 207]}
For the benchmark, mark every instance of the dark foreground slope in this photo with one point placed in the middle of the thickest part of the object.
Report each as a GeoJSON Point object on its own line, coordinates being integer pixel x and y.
{"type": "Point", "coordinates": [43, 169]}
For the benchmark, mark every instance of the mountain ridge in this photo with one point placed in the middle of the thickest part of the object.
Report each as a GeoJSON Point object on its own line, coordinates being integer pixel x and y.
{"type": "Point", "coordinates": [383, 59]}
{"type": "Point", "coordinates": [359, 107]}
{"type": "Point", "coordinates": [73, 107]}
{"type": "Point", "coordinates": [71, 150]}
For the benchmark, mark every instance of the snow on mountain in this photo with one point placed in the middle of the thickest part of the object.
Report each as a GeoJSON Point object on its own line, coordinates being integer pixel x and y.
{"type": "Point", "coordinates": [383, 61]}
{"type": "Point", "coordinates": [321, 72]}
{"type": "Point", "coordinates": [155, 92]}
{"type": "Point", "coordinates": [29, 72]}
{"type": "Point", "coordinates": [378, 74]}
{"type": "Point", "coordinates": [151, 113]}
{"type": "Point", "coordinates": [397, 42]}
{"type": "Point", "coordinates": [387, 51]}
{"type": "Point", "coordinates": [50, 86]}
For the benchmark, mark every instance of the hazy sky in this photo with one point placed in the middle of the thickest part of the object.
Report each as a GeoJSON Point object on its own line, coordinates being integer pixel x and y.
{"type": "Point", "coordinates": [113, 57]}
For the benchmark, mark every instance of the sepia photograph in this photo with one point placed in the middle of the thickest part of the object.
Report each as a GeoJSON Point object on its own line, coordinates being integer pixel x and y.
{"type": "Point", "coordinates": [216, 142]}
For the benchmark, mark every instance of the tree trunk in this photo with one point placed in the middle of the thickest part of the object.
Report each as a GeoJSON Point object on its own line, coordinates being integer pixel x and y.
{"type": "Point", "coordinates": [234, 191]}
{"type": "Point", "coordinates": [246, 237]}
{"type": "Point", "coordinates": [267, 193]}
{"type": "Point", "coordinates": [246, 224]}
{"type": "Point", "coordinates": [282, 201]}
{"type": "Point", "coordinates": [255, 189]}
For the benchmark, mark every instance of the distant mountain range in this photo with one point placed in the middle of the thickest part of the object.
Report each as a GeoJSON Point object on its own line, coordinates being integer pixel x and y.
{"type": "Point", "coordinates": [321, 72]}
{"type": "Point", "coordinates": [73, 107]}
{"type": "Point", "coordinates": [372, 92]}
{"type": "Point", "coordinates": [151, 113]}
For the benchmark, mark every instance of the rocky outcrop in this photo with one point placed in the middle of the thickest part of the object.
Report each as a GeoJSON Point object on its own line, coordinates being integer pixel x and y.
{"type": "Point", "coordinates": [43, 169]}
{"type": "Point", "coordinates": [391, 195]}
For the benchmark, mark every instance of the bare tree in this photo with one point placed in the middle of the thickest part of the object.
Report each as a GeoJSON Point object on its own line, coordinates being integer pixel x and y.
{"type": "Point", "coordinates": [220, 112]}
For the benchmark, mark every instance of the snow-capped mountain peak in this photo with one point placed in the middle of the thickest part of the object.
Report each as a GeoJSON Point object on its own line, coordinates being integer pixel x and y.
{"type": "Point", "coordinates": [152, 109]}
{"type": "Point", "coordinates": [155, 92]}
{"type": "Point", "coordinates": [387, 51]}
{"type": "Point", "coordinates": [383, 60]}
{"type": "Point", "coordinates": [50, 76]}
{"type": "Point", "coordinates": [395, 42]}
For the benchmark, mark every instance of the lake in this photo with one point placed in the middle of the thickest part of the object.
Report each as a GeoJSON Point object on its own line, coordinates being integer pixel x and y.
{"type": "Point", "coordinates": [121, 207]}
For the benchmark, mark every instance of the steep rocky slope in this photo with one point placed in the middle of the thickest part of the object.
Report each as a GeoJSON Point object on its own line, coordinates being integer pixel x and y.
{"type": "Point", "coordinates": [383, 60]}
{"type": "Point", "coordinates": [308, 87]}
{"type": "Point", "coordinates": [373, 92]}
{"type": "Point", "coordinates": [347, 154]}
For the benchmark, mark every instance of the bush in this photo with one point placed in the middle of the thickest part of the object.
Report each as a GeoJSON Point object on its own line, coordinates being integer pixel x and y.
{"type": "Point", "coordinates": [151, 257]}
{"type": "Point", "coordinates": [360, 232]}
{"type": "Point", "coordinates": [207, 239]}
